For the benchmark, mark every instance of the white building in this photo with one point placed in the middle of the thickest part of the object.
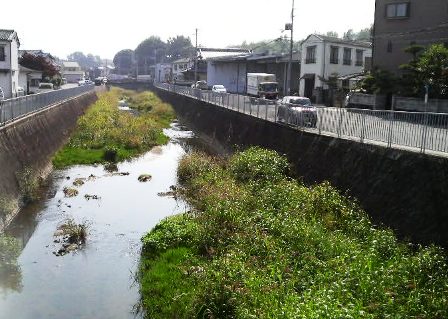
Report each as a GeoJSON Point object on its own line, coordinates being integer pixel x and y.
{"type": "Point", "coordinates": [324, 57]}
{"type": "Point", "coordinates": [162, 72]}
{"type": "Point", "coordinates": [9, 62]}
{"type": "Point", "coordinates": [29, 79]}
{"type": "Point", "coordinates": [71, 71]}
{"type": "Point", "coordinates": [180, 66]}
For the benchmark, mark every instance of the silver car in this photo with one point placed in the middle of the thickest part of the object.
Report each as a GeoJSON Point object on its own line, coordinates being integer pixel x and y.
{"type": "Point", "coordinates": [297, 111]}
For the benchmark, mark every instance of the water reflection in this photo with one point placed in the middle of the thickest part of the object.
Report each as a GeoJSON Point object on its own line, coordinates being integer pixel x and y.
{"type": "Point", "coordinates": [10, 272]}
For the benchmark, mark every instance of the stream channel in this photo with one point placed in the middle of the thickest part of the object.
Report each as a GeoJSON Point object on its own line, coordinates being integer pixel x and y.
{"type": "Point", "coordinates": [97, 281]}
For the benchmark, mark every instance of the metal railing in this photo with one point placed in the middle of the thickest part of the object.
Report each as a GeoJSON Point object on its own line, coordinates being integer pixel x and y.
{"type": "Point", "coordinates": [15, 108]}
{"type": "Point", "coordinates": [417, 131]}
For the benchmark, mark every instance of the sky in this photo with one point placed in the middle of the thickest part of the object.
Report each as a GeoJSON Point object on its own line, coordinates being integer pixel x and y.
{"type": "Point", "coordinates": [104, 27]}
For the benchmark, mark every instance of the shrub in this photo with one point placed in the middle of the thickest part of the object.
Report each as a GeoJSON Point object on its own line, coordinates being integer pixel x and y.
{"type": "Point", "coordinates": [259, 165]}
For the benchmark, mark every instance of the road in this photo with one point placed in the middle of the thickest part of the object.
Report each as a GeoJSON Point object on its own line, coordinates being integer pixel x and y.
{"type": "Point", "coordinates": [395, 129]}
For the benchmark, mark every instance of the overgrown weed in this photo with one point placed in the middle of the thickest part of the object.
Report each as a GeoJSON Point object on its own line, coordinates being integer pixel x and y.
{"type": "Point", "coordinates": [267, 246]}
{"type": "Point", "coordinates": [105, 133]}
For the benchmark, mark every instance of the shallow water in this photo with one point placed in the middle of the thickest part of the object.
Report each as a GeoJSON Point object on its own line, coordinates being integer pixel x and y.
{"type": "Point", "coordinates": [98, 280]}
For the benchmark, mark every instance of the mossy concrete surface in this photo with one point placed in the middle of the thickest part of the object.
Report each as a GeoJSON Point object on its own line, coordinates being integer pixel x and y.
{"type": "Point", "coordinates": [31, 141]}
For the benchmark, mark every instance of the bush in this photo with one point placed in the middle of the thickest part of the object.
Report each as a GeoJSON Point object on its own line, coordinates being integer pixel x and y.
{"type": "Point", "coordinates": [257, 164]}
{"type": "Point", "coordinates": [281, 249]}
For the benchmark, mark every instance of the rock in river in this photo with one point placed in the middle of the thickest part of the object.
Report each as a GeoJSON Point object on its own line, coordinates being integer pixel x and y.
{"type": "Point", "coordinates": [144, 178]}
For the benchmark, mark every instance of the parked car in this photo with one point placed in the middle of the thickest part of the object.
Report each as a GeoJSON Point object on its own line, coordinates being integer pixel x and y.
{"type": "Point", "coordinates": [99, 81]}
{"type": "Point", "coordinates": [219, 88]}
{"type": "Point", "coordinates": [298, 111]}
{"type": "Point", "coordinates": [81, 82]}
{"type": "Point", "coordinates": [200, 85]}
{"type": "Point", "coordinates": [45, 87]}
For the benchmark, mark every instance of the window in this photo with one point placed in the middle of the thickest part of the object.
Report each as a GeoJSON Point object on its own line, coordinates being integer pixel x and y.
{"type": "Point", "coordinates": [2, 53]}
{"type": "Point", "coordinates": [334, 55]}
{"type": "Point", "coordinates": [397, 10]}
{"type": "Point", "coordinates": [389, 46]}
{"type": "Point", "coordinates": [359, 58]}
{"type": "Point", "coordinates": [310, 55]}
{"type": "Point", "coordinates": [347, 56]}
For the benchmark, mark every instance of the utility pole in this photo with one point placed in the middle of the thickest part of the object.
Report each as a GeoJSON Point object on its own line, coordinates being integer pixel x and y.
{"type": "Point", "coordinates": [290, 51]}
{"type": "Point", "coordinates": [196, 59]}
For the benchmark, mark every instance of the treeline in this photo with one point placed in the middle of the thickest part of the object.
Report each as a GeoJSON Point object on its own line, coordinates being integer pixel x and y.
{"type": "Point", "coordinates": [151, 51]}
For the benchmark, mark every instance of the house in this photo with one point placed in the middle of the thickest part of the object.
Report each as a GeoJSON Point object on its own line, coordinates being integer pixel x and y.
{"type": "Point", "coordinates": [29, 79]}
{"type": "Point", "coordinates": [162, 72]}
{"type": "Point", "coordinates": [325, 57]}
{"type": "Point", "coordinates": [402, 23]}
{"type": "Point", "coordinates": [71, 71]}
{"type": "Point", "coordinates": [231, 71]}
{"type": "Point", "coordinates": [9, 62]}
{"type": "Point", "coordinates": [179, 67]}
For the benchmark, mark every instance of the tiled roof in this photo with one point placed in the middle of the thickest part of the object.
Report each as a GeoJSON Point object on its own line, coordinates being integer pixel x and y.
{"type": "Point", "coordinates": [6, 35]}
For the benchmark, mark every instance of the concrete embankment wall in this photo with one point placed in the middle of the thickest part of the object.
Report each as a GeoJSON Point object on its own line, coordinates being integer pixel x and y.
{"type": "Point", "coordinates": [404, 190]}
{"type": "Point", "coordinates": [31, 142]}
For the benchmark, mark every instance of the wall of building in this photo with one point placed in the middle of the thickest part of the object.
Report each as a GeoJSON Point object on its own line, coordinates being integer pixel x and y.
{"type": "Point", "coordinates": [426, 25]}
{"type": "Point", "coordinates": [341, 68]}
{"type": "Point", "coordinates": [312, 68]}
{"type": "Point", "coordinates": [323, 67]}
{"type": "Point", "coordinates": [32, 141]}
{"type": "Point", "coordinates": [231, 75]}
{"type": "Point", "coordinates": [14, 67]}
{"type": "Point", "coordinates": [5, 84]}
{"type": "Point", "coordinates": [5, 76]}
{"type": "Point", "coordinates": [403, 190]}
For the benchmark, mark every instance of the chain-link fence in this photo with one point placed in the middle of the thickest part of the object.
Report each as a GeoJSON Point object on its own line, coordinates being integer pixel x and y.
{"type": "Point", "coordinates": [415, 130]}
{"type": "Point", "coordinates": [12, 109]}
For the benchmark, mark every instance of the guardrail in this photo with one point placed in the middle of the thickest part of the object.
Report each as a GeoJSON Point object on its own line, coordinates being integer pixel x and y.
{"type": "Point", "coordinates": [15, 108]}
{"type": "Point", "coordinates": [423, 132]}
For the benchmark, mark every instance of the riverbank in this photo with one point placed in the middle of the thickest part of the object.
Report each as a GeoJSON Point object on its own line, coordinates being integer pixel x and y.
{"type": "Point", "coordinates": [261, 245]}
{"type": "Point", "coordinates": [27, 146]}
{"type": "Point", "coordinates": [107, 134]}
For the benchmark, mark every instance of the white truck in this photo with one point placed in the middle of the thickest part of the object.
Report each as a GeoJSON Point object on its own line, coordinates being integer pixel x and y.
{"type": "Point", "coordinates": [262, 85]}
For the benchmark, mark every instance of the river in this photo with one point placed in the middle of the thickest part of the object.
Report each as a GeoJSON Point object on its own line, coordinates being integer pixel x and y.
{"type": "Point", "coordinates": [97, 281]}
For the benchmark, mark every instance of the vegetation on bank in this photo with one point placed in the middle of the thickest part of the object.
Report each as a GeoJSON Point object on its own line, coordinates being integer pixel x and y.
{"type": "Point", "coordinates": [261, 245]}
{"type": "Point", "coordinates": [106, 133]}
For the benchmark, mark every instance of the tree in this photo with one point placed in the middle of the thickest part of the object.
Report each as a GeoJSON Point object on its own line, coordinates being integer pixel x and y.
{"type": "Point", "coordinates": [123, 61]}
{"type": "Point", "coordinates": [40, 63]}
{"type": "Point", "coordinates": [410, 82]}
{"type": "Point", "coordinates": [432, 68]}
{"type": "Point", "coordinates": [379, 82]}
{"type": "Point", "coordinates": [276, 46]}
{"type": "Point", "coordinates": [349, 35]}
{"type": "Point", "coordinates": [179, 47]}
{"type": "Point", "coordinates": [86, 62]}
{"type": "Point", "coordinates": [364, 34]}
{"type": "Point", "coordinates": [150, 51]}
{"type": "Point", "coordinates": [333, 34]}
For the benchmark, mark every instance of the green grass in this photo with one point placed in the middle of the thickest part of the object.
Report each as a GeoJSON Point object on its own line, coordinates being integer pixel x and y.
{"type": "Point", "coordinates": [169, 291]}
{"type": "Point", "coordinates": [270, 247]}
{"type": "Point", "coordinates": [105, 130]}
